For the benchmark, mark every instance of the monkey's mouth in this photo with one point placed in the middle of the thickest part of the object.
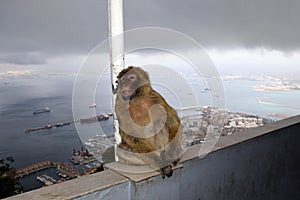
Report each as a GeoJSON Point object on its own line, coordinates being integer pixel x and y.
{"type": "Point", "coordinates": [126, 93]}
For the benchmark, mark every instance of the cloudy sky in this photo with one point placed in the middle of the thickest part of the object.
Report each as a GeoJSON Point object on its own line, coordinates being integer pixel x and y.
{"type": "Point", "coordinates": [236, 33]}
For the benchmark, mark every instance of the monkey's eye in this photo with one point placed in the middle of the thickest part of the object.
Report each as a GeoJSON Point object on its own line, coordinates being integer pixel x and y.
{"type": "Point", "coordinates": [132, 77]}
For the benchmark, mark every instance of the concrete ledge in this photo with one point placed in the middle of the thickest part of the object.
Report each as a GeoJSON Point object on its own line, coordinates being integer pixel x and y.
{"type": "Point", "coordinates": [82, 186]}
{"type": "Point", "coordinates": [134, 173]}
{"type": "Point", "coordinates": [260, 163]}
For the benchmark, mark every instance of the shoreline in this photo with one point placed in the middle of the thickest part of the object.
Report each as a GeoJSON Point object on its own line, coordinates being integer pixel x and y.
{"type": "Point", "coordinates": [271, 88]}
{"type": "Point", "coordinates": [279, 115]}
{"type": "Point", "coordinates": [258, 99]}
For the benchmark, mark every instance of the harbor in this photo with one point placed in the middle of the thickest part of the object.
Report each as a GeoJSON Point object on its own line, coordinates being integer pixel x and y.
{"type": "Point", "coordinates": [197, 123]}
{"type": "Point", "coordinates": [47, 180]}
{"type": "Point", "coordinates": [49, 173]}
{"type": "Point", "coordinates": [61, 167]}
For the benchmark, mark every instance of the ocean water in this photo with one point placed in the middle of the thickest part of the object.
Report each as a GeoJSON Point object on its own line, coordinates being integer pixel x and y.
{"type": "Point", "coordinates": [21, 95]}
{"type": "Point", "coordinates": [240, 96]}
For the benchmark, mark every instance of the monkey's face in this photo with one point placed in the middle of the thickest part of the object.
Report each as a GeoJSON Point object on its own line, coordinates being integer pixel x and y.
{"type": "Point", "coordinates": [128, 85]}
{"type": "Point", "coordinates": [132, 82]}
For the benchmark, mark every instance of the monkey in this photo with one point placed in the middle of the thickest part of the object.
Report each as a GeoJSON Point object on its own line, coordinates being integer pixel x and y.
{"type": "Point", "coordinates": [150, 129]}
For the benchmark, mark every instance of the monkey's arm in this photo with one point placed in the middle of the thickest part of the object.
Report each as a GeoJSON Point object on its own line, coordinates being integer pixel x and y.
{"type": "Point", "coordinates": [173, 148]}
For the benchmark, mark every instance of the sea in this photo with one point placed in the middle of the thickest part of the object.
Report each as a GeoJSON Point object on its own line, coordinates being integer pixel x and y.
{"type": "Point", "coordinates": [24, 91]}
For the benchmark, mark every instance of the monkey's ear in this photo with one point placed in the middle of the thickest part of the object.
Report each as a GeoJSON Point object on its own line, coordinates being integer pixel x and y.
{"type": "Point", "coordinates": [143, 73]}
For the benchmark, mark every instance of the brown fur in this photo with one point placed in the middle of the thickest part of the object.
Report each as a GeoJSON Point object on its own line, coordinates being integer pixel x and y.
{"type": "Point", "coordinates": [164, 147]}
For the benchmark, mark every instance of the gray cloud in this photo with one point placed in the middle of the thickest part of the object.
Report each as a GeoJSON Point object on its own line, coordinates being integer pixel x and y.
{"type": "Point", "coordinates": [271, 24]}
{"type": "Point", "coordinates": [23, 58]}
{"type": "Point", "coordinates": [61, 27]}
{"type": "Point", "coordinates": [52, 27]}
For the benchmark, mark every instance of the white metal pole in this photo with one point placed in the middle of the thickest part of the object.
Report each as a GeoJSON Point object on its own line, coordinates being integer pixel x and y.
{"type": "Point", "coordinates": [116, 46]}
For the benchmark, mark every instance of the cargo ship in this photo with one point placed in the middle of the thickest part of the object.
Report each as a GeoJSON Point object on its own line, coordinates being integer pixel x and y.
{"type": "Point", "coordinates": [94, 119]}
{"type": "Point", "coordinates": [62, 124]}
{"type": "Point", "coordinates": [108, 113]}
{"type": "Point", "coordinates": [42, 110]}
{"type": "Point", "coordinates": [49, 126]}
{"type": "Point", "coordinates": [92, 105]}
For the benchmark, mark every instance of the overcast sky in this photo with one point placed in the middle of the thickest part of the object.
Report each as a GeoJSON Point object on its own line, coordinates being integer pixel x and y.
{"type": "Point", "coordinates": [36, 31]}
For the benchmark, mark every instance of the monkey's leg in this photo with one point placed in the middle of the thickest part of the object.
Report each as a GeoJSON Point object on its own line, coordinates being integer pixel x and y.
{"type": "Point", "coordinates": [156, 162]}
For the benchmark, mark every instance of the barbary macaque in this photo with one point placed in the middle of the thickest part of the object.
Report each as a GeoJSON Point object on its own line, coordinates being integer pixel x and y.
{"type": "Point", "coordinates": [149, 128]}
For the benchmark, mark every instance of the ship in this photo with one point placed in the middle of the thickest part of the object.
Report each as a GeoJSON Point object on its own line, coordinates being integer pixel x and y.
{"type": "Point", "coordinates": [94, 119]}
{"type": "Point", "coordinates": [205, 90]}
{"type": "Point", "coordinates": [49, 126]}
{"type": "Point", "coordinates": [108, 113]}
{"type": "Point", "coordinates": [92, 105]}
{"type": "Point", "coordinates": [42, 110]}
{"type": "Point", "coordinates": [62, 124]}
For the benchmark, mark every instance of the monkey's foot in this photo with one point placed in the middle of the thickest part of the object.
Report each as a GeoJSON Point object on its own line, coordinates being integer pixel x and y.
{"type": "Point", "coordinates": [176, 162]}
{"type": "Point", "coordinates": [166, 171]}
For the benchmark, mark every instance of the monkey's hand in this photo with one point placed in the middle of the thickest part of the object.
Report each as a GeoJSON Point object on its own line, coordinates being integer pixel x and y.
{"type": "Point", "coordinates": [124, 146]}
{"type": "Point", "coordinates": [166, 171]}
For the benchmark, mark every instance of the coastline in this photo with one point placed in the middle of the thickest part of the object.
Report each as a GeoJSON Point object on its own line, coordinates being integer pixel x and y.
{"type": "Point", "coordinates": [271, 88]}
{"type": "Point", "coordinates": [259, 100]}
{"type": "Point", "coordinates": [279, 115]}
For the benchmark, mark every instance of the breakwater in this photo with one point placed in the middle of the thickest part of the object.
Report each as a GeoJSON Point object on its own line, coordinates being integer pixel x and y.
{"type": "Point", "coordinates": [259, 100]}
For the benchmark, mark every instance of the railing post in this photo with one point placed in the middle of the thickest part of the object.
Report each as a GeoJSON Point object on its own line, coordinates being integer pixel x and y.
{"type": "Point", "coordinates": [116, 46]}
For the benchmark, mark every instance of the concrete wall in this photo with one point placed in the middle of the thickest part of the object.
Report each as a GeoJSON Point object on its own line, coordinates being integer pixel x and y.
{"type": "Point", "coordinates": [265, 167]}
{"type": "Point", "coordinates": [261, 163]}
